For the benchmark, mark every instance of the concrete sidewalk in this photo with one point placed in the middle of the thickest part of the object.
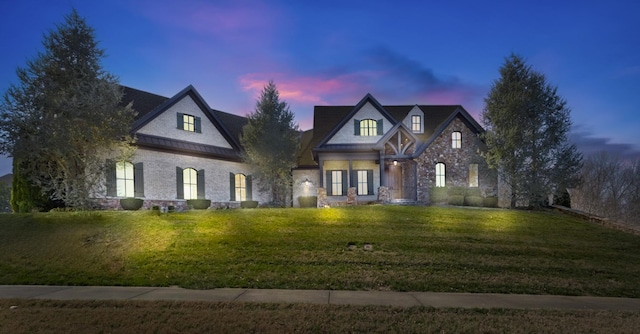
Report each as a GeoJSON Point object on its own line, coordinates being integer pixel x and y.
{"type": "Point", "coordinates": [403, 299]}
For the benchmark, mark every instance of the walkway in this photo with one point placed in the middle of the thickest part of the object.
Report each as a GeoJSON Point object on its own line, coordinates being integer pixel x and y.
{"type": "Point", "coordinates": [403, 299]}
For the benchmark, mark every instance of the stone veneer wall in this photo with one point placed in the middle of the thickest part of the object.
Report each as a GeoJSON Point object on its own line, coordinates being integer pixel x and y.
{"type": "Point", "coordinates": [456, 162]}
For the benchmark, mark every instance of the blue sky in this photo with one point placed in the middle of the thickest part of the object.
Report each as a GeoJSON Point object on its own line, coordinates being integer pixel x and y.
{"type": "Point", "coordinates": [335, 52]}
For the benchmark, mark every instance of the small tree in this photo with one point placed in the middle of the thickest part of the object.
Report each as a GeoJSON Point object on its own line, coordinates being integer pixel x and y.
{"type": "Point", "coordinates": [63, 115]}
{"type": "Point", "coordinates": [270, 141]}
{"type": "Point", "coordinates": [527, 125]}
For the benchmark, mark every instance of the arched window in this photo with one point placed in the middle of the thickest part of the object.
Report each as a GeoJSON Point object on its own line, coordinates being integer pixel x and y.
{"type": "Point", "coordinates": [368, 127]}
{"type": "Point", "coordinates": [440, 175]}
{"type": "Point", "coordinates": [190, 181]}
{"type": "Point", "coordinates": [241, 187]}
{"type": "Point", "coordinates": [456, 139]}
{"type": "Point", "coordinates": [124, 179]}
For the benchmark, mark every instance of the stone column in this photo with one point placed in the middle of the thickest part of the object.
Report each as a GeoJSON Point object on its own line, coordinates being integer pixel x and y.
{"type": "Point", "coordinates": [352, 196]}
{"type": "Point", "coordinates": [322, 198]}
{"type": "Point", "coordinates": [383, 195]}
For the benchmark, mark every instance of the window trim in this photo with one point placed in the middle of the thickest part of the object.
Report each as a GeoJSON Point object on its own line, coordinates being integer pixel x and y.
{"type": "Point", "coordinates": [240, 187]}
{"type": "Point", "coordinates": [190, 183]}
{"type": "Point", "coordinates": [474, 182]}
{"type": "Point", "coordinates": [125, 186]}
{"type": "Point", "coordinates": [368, 127]}
{"type": "Point", "coordinates": [441, 175]}
{"type": "Point", "coordinates": [184, 123]}
{"type": "Point", "coordinates": [456, 139]}
{"type": "Point", "coordinates": [417, 124]}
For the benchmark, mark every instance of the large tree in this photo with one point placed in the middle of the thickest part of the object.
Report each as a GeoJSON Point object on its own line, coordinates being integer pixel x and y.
{"type": "Point", "coordinates": [527, 124]}
{"type": "Point", "coordinates": [64, 114]}
{"type": "Point", "coordinates": [271, 140]}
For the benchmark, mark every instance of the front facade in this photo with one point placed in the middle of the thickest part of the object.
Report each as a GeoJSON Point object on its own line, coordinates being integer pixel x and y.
{"type": "Point", "coordinates": [391, 153]}
{"type": "Point", "coordinates": [186, 150]}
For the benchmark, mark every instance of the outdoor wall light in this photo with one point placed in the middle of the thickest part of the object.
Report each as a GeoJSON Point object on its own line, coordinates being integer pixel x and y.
{"type": "Point", "coordinates": [306, 182]}
{"type": "Point", "coordinates": [395, 162]}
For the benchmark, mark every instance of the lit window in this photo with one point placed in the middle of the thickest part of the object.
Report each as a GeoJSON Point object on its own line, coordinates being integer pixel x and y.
{"type": "Point", "coordinates": [190, 181]}
{"type": "Point", "coordinates": [336, 182]}
{"type": "Point", "coordinates": [368, 127]}
{"type": "Point", "coordinates": [124, 179]}
{"type": "Point", "coordinates": [456, 140]}
{"type": "Point", "coordinates": [241, 187]}
{"type": "Point", "coordinates": [473, 175]}
{"type": "Point", "coordinates": [416, 123]}
{"type": "Point", "coordinates": [363, 183]}
{"type": "Point", "coordinates": [189, 123]}
{"type": "Point", "coordinates": [440, 175]}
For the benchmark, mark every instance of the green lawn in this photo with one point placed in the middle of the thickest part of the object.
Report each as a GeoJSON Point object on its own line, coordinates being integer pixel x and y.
{"type": "Point", "coordinates": [414, 249]}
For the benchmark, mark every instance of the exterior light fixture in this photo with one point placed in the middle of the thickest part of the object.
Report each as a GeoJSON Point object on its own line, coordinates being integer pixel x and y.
{"type": "Point", "coordinates": [395, 162]}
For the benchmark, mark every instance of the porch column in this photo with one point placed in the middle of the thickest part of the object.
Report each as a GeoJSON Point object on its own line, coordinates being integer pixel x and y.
{"type": "Point", "coordinates": [383, 177]}
{"type": "Point", "coordinates": [321, 165]}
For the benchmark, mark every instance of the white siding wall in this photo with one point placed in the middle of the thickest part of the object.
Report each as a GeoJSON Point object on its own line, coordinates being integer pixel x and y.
{"type": "Point", "coordinates": [165, 125]}
{"type": "Point", "coordinates": [160, 175]}
{"type": "Point", "coordinates": [346, 135]}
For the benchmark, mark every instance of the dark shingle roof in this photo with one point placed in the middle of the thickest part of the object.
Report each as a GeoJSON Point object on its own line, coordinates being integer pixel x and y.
{"type": "Point", "coordinates": [143, 102]}
{"type": "Point", "coordinates": [147, 104]}
{"type": "Point", "coordinates": [326, 118]}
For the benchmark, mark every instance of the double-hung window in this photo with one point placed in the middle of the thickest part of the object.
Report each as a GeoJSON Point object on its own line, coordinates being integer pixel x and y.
{"type": "Point", "coordinates": [416, 124]}
{"type": "Point", "coordinates": [336, 182]}
{"type": "Point", "coordinates": [190, 181]}
{"type": "Point", "coordinates": [124, 179]}
{"type": "Point", "coordinates": [189, 123]}
{"type": "Point", "coordinates": [456, 139]}
{"type": "Point", "coordinates": [440, 175]}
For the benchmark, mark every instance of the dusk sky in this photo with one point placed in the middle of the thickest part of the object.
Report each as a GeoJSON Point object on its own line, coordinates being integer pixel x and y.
{"type": "Point", "coordinates": [335, 52]}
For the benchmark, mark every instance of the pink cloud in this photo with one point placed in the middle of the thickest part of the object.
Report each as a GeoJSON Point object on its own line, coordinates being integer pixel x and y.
{"type": "Point", "coordinates": [303, 89]}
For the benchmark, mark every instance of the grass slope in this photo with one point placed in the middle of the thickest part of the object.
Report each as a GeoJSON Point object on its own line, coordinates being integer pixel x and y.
{"type": "Point", "coordinates": [414, 249]}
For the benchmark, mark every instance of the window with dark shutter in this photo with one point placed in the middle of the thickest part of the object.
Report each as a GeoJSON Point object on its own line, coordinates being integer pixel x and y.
{"type": "Point", "coordinates": [179, 183]}
{"type": "Point", "coordinates": [232, 187]}
{"type": "Point", "coordinates": [138, 180]}
{"type": "Point", "coordinates": [111, 178]}
{"type": "Point", "coordinates": [200, 185]}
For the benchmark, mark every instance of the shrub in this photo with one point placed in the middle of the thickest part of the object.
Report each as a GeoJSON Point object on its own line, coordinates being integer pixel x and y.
{"type": "Point", "coordinates": [308, 201]}
{"type": "Point", "coordinates": [456, 200]}
{"type": "Point", "coordinates": [131, 203]}
{"type": "Point", "coordinates": [456, 191]}
{"type": "Point", "coordinates": [473, 191]}
{"type": "Point", "coordinates": [438, 195]}
{"type": "Point", "coordinates": [473, 201]}
{"type": "Point", "coordinates": [199, 204]}
{"type": "Point", "coordinates": [249, 204]}
{"type": "Point", "coordinates": [490, 202]}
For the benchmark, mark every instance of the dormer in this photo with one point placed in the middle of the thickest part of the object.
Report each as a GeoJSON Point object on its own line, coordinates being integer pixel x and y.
{"type": "Point", "coordinates": [414, 120]}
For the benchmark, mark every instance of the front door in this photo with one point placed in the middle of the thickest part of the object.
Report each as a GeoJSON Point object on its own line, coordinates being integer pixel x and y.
{"type": "Point", "coordinates": [394, 181]}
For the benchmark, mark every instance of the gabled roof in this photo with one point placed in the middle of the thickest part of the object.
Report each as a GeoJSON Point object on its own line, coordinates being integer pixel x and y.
{"type": "Point", "coordinates": [458, 112]}
{"type": "Point", "coordinates": [152, 105]}
{"type": "Point", "coordinates": [327, 120]}
{"type": "Point", "coordinates": [367, 99]}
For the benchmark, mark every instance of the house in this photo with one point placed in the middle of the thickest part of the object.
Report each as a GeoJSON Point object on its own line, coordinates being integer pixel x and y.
{"type": "Point", "coordinates": [391, 153]}
{"type": "Point", "coordinates": [186, 150]}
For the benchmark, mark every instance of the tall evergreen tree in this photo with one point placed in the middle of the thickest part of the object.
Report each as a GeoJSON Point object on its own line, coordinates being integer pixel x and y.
{"type": "Point", "coordinates": [271, 140]}
{"type": "Point", "coordinates": [527, 125]}
{"type": "Point", "coordinates": [64, 113]}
